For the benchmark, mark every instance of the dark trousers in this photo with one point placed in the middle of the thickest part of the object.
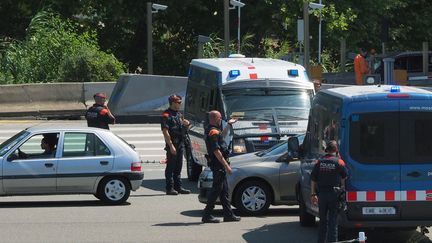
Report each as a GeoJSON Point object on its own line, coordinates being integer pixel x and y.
{"type": "Point", "coordinates": [219, 189]}
{"type": "Point", "coordinates": [328, 203]}
{"type": "Point", "coordinates": [173, 168]}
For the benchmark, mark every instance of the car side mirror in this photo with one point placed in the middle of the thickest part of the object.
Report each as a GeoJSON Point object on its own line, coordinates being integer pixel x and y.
{"type": "Point", "coordinates": [293, 148]}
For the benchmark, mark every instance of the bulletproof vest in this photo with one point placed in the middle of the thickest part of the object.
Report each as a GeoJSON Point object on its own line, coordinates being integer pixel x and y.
{"type": "Point", "coordinates": [93, 118]}
{"type": "Point", "coordinates": [175, 126]}
{"type": "Point", "coordinates": [329, 173]}
{"type": "Point", "coordinates": [213, 161]}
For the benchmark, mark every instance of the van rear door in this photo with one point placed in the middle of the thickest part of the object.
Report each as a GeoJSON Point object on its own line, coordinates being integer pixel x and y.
{"type": "Point", "coordinates": [416, 159]}
{"type": "Point", "coordinates": [373, 184]}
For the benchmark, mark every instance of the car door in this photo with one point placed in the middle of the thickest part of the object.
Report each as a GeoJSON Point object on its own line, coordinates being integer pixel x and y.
{"type": "Point", "coordinates": [416, 159]}
{"type": "Point", "coordinates": [84, 158]}
{"type": "Point", "coordinates": [288, 178]}
{"type": "Point", "coordinates": [27, 170]}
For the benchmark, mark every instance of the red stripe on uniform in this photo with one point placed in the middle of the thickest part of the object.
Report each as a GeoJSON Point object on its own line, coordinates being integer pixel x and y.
{"type": "Point", "coordinates": [352, 196]}
{"type": "Point", "coordinates": [370, 196]}
{"type": "Point", "coordinates": [389, 195]}
{"type": "Point", "coordinates": [251, 67]}
{"type": "Point", "coordinates": [253, 76]}
{"type": "Point", "coordinates": [411, 195]}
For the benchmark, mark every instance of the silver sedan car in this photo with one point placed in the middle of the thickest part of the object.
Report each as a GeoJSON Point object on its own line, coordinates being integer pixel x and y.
{"type": "Point", "coordinates": [258, 180]}
{"type": "Point", "coordinates": [69, 160]}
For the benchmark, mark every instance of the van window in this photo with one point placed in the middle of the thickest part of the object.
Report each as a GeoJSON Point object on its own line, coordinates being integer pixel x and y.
{"type": "Point", "coordinates": [374, 137]}
{"type": "Point", "coordinates": [324, 122]}
{"type": "Point", "coordinates": [416, 134]}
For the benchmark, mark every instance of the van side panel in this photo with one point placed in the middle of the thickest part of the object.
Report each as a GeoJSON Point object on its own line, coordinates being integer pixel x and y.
{"type": "Point", "coordinates": [416, 159]}
{"type": "Point", "coordinates": [370, 151]}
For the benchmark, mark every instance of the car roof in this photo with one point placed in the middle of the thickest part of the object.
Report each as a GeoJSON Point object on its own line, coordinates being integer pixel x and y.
{"type": "Point", "coordinates": [55, 127]}
{"type": "Point", "coordinates": [374, 91]}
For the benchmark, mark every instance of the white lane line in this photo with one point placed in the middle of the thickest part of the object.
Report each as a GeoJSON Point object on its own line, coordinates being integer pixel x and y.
{"type": "Point", "coordinates": [144, 135]}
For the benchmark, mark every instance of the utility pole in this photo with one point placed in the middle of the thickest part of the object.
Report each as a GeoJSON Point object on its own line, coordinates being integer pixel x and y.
{"type": "Point", "coordinates": [226, 27]}
{"type": "Point", "coordinates": [149, 39]}
{"type": "Point", "coordinates": [306, 34]}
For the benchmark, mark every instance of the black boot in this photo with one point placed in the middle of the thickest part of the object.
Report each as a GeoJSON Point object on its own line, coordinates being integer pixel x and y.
{"type": "Point", "coordinates": [208, 218]}
{"type": "Point", "coordinates": [181, 190]}
{"type": "Point", "coordinates": [172, 192]}
{"type": "Point", "coordinates": [232, 218]}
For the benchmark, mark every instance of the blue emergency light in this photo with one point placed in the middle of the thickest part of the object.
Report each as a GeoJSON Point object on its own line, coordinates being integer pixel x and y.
{"type": "Point", "coordinates": [293, 72]}
{"type": "Point", "coordinates": [234, 73]}
{"type": "Point", "coordinates": [394, 89]}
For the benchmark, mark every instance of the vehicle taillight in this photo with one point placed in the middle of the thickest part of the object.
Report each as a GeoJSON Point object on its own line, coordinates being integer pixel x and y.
{"type": "Point", "coordinates": [136, 166]}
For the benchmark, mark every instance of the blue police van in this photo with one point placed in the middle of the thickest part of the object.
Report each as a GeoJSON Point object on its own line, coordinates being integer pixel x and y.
{"type": "Point", "coordinates": [384, 135]}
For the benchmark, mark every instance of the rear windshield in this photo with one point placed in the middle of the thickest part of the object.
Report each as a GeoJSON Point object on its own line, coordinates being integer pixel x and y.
{"type": "Point", "coordinates": [391, 137]}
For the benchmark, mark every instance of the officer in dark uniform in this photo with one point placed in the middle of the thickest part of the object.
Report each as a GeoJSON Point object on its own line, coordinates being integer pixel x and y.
{"type": "Point", "coordinates": [173, 125]}
{"type": "Point", "coordinates": [218, 155]}
{"type": "Point", "coordinates": [327, 177]}
{"type": "Point", "coordinates": [99, 115]}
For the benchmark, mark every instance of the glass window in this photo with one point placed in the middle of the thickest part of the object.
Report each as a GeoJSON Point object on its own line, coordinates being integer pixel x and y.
{"type": "Point", "coordinates": [38, 146]}
{"type": "Point", "coordinates": [374, 137]}
{"type": "Point", "coordinates": [83, 144]}
{"type": "Point", "coordinates": [257, 104]}
{"type": "Point", "coordinates": [8, 144]}
{"type": "Point", "coordinates": [416, 134]}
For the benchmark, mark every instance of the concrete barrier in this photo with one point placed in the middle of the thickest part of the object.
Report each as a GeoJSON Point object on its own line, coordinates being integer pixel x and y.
{"type": "Point", "coordinates": [91, 88]}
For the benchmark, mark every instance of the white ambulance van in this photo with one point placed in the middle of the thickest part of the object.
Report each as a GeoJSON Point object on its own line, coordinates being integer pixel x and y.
{"type": "Point", "coordinates": [270, 98]}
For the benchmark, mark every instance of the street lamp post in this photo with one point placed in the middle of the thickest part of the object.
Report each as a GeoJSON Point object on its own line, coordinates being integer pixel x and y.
{"type": "Point", "coordinates": [150, 12]}
{"type": "Point", "coordinates": [318, 6]}
{"type": "Point", "coordinates": [226, 27]}
{"type": "Point", "coordinates": [239, 5]}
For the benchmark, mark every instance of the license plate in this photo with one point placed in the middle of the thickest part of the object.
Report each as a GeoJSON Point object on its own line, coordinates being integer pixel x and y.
{"type": "Point", "coordinates": [378, 210]}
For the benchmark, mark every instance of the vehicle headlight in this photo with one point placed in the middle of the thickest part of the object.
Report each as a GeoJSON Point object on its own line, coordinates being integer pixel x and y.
{"type": "Point", "coordinates": [239, 146]}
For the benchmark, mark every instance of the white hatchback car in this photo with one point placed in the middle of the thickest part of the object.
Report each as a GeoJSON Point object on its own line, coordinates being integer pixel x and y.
{"type": "Point", "coordinates": [69, 160]}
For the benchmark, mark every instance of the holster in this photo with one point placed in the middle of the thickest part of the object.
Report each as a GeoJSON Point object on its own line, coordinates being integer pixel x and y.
{"type": "Point", "coordinates": [341, 196]}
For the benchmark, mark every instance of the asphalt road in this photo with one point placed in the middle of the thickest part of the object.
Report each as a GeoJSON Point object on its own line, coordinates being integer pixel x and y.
{"type": "Point", "coordinates": [150, 216]}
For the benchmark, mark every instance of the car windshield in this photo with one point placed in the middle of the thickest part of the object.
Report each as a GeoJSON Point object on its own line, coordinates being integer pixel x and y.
{"type": "Point", "coordinates": [8, 144]}
{"type": "Point", "coordinates": [278, 148]}
{"type": "Point", "coordinates": [264, 103]}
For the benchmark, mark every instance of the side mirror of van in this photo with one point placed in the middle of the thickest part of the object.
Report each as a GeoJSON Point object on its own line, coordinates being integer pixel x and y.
{"type": "Point", "coordinates": [293, 148]}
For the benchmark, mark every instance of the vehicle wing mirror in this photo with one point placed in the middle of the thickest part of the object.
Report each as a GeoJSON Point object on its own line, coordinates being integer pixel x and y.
{"type": "Point", "coordinates": [293, 148]}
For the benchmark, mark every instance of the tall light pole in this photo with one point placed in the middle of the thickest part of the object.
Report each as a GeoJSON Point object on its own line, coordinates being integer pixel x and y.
{"type": "Point", "coordinates": [239, 5]}
{"type": "Point", "coordinates": [226, 27]}
{"type": "Point", "coordinates": [150, 12]}
{"type": "Point", "coordinates": [318, 6]}
{"type": "Point", "coordinates": [306, 35]}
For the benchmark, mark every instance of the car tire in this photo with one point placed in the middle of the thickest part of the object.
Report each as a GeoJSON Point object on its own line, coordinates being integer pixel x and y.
{"type": "Point", "coordinates": [306, 219]}
{"type": "Point", "coordinates": [253, 198]}
{"type": "Point", "coordinates": [193, 170]}
{"type": "Point", "coordinates": [114, 190]}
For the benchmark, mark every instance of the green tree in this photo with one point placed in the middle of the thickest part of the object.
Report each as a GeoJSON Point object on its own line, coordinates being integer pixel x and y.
{"type": "Point", "coordinates": [53, 51]}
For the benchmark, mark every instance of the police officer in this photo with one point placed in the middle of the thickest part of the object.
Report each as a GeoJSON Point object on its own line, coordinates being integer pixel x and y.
{"type": "Point", "coordinates": [172, 125]}
{"type": "Point", "coordinates": [328, 175]}
{"type": "Point", "coordinates": [218, 156]}
{"type": "Point", "coordinates": [99, 115]}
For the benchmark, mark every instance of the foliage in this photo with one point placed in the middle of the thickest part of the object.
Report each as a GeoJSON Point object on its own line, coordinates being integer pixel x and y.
{"type": "Point", "coordinates": [120, 27]}
{"type": "Point", "coordinates": [53, 51]}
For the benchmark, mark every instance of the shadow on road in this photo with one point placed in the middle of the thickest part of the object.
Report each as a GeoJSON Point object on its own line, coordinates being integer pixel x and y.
{"type": "Point", "coordinates": [281, 232]}
{"type": "Point", "coordinates": [44, 204]}
{"type": "Point", "coordinates": [277, 212]}
{"type": "Point", "coordinates": [159, 185]}
{"type": "Point", "coordinates": [178, 224]}
{"type": "Point", "coordinates": [293, 232]}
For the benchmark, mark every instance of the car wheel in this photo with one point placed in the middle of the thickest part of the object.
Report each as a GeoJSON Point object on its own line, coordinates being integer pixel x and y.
{"type": "Point", "coordinates": [193, 170]}
{"type": "Point", "coordinates": [114, 190]}
{"type": "Point", "coordinates": [253, 198]}
{"type": "Point", "coordinates": [306, 219]}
